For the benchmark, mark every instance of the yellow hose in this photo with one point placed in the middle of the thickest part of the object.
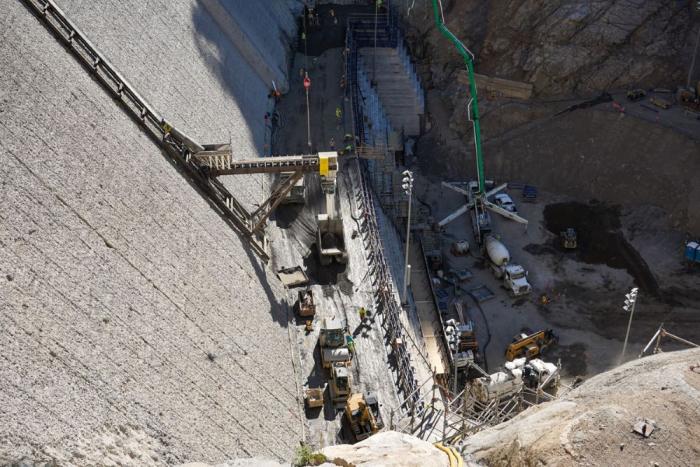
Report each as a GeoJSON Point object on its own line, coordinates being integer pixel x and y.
{"type": "Point", "coordinates": [450, 454]}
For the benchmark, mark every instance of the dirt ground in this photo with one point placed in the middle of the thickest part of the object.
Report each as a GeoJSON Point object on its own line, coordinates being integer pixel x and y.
{"type": "Point", "coordinates": [619, 248]}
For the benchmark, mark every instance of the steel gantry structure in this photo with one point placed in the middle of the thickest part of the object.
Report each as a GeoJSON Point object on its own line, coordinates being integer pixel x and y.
{"type": "Point", "coordinates": [202, 164]}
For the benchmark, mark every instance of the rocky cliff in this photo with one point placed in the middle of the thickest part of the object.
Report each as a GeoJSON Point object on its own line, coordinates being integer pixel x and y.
{"type": "Point", "coordinates": [593, 424]}
{"type": "Point", "coordinates": [567, 47]}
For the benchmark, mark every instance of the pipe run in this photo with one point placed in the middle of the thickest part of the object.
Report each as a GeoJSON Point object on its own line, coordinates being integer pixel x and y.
{"type": "Point", "coordinates": [472, 106]}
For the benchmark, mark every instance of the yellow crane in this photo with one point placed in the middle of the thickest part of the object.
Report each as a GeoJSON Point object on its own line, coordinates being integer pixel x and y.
{"type": "Point", "coordinates": [530, 346]}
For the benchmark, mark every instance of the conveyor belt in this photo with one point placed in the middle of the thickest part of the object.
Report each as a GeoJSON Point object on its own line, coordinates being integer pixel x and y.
{"type": "Point", "coordinates": [224, 164]}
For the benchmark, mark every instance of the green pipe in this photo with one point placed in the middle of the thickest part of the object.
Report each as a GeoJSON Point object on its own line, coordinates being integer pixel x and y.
{"type": "Point", "coordinates": [472, 90]}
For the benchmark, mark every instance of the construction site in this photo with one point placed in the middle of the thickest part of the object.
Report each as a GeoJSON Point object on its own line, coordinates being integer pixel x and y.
{"type": "Point", "coordinates": [350, 232]}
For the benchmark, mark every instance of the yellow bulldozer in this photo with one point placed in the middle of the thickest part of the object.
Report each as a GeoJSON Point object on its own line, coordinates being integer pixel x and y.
{"type": "Point", "coordinates": [530, 346]}
{"type": "Point", "coordinates": [362, 415]}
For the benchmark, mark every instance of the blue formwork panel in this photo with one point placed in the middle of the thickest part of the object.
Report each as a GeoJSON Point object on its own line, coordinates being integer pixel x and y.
{"type": "Point", "coordinates": [692, 251]}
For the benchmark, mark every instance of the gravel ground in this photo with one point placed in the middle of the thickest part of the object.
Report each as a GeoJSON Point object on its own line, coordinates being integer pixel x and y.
{"type": "Point", "coordinates": [127, 301]}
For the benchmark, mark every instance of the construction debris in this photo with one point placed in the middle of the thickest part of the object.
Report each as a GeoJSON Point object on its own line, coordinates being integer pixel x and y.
{"type": "Point", "coordinates": [293, 277]}
{"type": "Point", "coordinates": [644, 427]}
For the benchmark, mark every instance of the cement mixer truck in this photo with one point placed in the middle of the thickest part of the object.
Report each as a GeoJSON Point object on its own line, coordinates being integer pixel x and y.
{"type": "Point", "coordinates": [514, 276]}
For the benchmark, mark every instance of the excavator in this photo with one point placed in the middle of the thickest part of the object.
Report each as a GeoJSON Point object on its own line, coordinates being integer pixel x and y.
{"type": "Point", "coordinates": [530, 346]}
{"type": "Point", "coordinates": [362, 415]}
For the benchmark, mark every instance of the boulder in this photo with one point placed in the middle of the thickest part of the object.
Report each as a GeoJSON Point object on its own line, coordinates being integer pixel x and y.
{"type": "Point", "coordinates": [388, 449]}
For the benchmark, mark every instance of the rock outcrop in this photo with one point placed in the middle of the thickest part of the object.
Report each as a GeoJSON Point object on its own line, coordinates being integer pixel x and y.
{"type": "Point", "coordinates": [593, 424]}
{"type": "Point", "coordinates": [388, 449]}
{"type": "Point", "coordinates": [566, 47]}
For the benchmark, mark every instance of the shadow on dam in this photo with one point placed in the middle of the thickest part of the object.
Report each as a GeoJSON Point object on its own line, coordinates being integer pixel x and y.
{"type": "Point", "coordinates": [250, 94]}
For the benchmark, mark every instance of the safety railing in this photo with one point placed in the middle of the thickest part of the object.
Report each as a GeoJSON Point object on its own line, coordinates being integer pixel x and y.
{"type": "Point", "coordinates": [371, 128]}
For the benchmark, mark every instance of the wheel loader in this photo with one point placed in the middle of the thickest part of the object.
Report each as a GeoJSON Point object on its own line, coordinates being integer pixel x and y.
{"type": "Point", "coordinates": [568, 239]}
{"type": "Point", "coordinates": [362, 415]}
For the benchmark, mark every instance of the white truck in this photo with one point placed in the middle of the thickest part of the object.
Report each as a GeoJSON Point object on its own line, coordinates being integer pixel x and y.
{"type": "Point", "coordinates": [514, 276]}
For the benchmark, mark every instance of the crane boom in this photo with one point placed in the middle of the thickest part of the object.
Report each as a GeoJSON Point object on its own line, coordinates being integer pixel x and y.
{"type": "Point", "coordinates": [473, 106]}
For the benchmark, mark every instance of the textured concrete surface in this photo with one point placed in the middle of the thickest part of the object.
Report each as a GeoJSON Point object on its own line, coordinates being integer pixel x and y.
{"type": "Point", "coordinates": [126, 301]}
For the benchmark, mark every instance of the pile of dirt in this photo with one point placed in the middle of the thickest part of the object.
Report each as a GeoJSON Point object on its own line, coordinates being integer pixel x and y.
{"type": "Point", "coordinates": [593, 424]}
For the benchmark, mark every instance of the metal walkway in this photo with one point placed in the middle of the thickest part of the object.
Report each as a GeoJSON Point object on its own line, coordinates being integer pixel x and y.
{"type": "Point", "coordinates": [222, 163]}
{"type": "Point", "coordinates": [176, 144]}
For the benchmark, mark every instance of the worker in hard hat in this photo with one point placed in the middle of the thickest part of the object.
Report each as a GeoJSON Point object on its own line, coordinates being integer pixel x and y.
{"type": "Point", "coordinates": [338, 116]}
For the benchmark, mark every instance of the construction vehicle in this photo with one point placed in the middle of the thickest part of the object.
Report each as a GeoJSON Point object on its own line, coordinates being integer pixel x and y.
{"type": "Point", "coordinates": [535, 373]}
{"type": "Point", "coordinates": [635, 95]}
{"type": "Point", "coordinates": [529, 193]}
{"type": "Point", "coordinates": [692, 253]}
{"type": "Point", "coordinates": [340, 384]}
{"type": "Point", "coordinates": [504, 201]}
{"type": "Point", "coordinates": [568, 239]}
{"type": "Point", "coordinates": [297, 194]}
{"type": "Point", "coordinates": [477, 198]}
{"type": "Point", "coordinates": [689, 98]}
{"type": "Point", "coordinates": [218, 162]}
{"type": "Point", "coordinates": [314, 397]}
{"type": "Point", "coordinates": [500, 385]}
{"type": "Point", "coordinates": [305, 304]}
{"type": "Point", "coordinates": [530, 346]}
{"type": "Point", "coordinates": [460, 248]}
{"type": "Point", "coordinates": [538, 374]}
{"type": "Point", "coordinates": [362, 415]}
{"type": "Point", "coordinates": [513, 276]}
{"type": "Point", "coordinates": [660, 103]}
{"type": "Point", "coordinates": [461, 340]}
{"type": "Point", "coordinates": [333, 344]}
{"type": "Point", "coordinates": [330, 235]}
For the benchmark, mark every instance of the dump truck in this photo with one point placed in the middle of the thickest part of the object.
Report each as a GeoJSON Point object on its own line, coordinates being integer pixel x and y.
{"type": "Point", "coordinates": [530, 346]}
{"type": "Point", "coordinates": [330, 240]}
{"type": "Point", "coordinates": [568, 239]}
{"type": "Point", "coordinates": [297, 195]}
{"type": "Point", "coordinates": [333, 343]}
{"type": "Point", "coordinates": [314, 397]}
{"type": "Point", "coordinates": [340, 385]}
{"type": "Point", "coordinates": [362, 415]}
{"type": "Point", "coordinates": [305, 304]}
{"type": "Point", "coordinates": [513, 276]}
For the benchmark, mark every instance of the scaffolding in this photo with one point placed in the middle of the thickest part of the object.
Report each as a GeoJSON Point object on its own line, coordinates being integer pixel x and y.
{"type": "Point", "coordinates": [449, 418]}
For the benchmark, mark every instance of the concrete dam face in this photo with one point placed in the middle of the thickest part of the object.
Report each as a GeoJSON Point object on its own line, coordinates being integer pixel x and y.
{"type": "Point", "coordinates": [128, 307]}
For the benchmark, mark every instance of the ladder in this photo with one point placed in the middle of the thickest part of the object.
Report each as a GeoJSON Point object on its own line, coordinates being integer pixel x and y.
{"type": "Point", "coordinates": [177, 145]}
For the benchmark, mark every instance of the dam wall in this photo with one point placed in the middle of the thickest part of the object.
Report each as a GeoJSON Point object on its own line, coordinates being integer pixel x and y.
{"type": "Point", "coordinates": [127, 305]}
